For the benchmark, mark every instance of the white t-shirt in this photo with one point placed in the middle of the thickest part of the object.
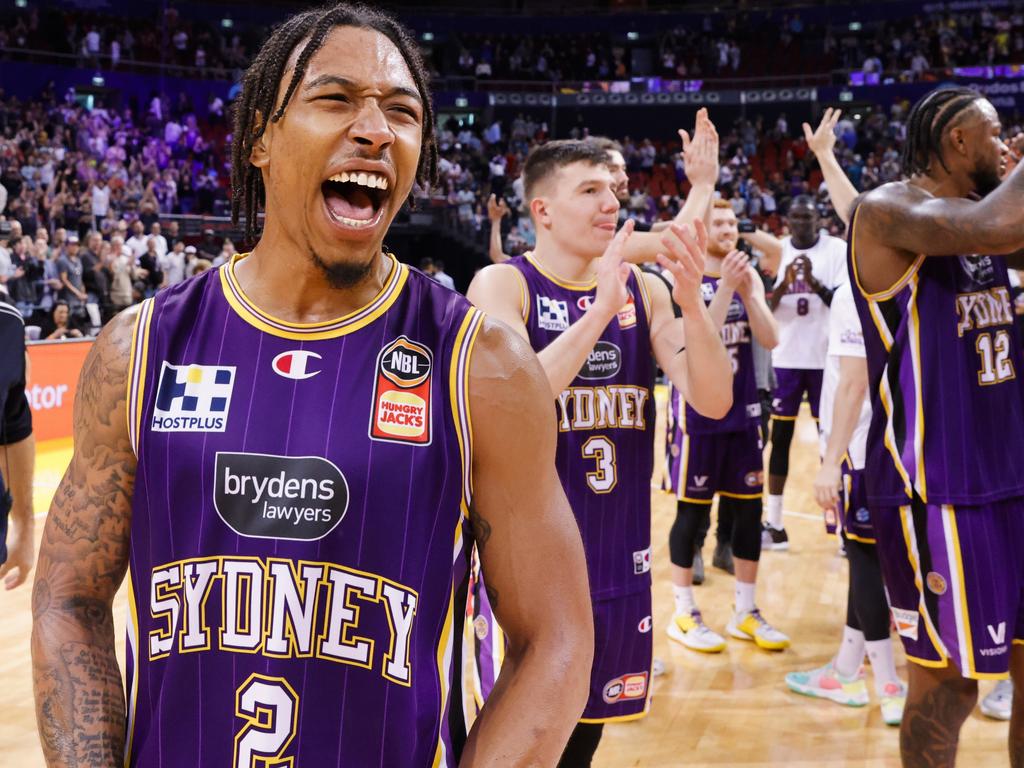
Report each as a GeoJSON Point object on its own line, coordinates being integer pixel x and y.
{"type": "Point", "coordinates": [801, 314]}
{"type": "Point", "coordinates": [845, 339]}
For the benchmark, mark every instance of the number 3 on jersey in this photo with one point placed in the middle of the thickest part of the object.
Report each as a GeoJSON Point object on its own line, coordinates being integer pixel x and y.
{"type": "Point", "coordinates": [603, 478]}
{"type": "Point", "coordinates": [270, 708]}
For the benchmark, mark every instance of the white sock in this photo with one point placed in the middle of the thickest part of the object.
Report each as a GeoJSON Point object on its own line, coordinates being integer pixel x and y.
{"type": "Point", "coordinates": [744, 597]}
{"type": "Point", "coordinates": [851, 652]}
{"type": "Point", "coordinates": [775, 510]}
{"type": "Point", "coordinates": [883, 664]}
{"type": "Point", "coordinates": [685, 604]}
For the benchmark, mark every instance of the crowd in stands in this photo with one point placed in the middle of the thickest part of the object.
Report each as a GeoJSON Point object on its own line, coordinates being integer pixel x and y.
{"type": "Point", "coordinates": [734, 44]}
{"type": "Point", "coordinates": [82, 193]}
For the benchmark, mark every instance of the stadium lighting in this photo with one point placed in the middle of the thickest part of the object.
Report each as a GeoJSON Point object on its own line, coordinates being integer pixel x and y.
{"type": "Point", "coordinates": [427, 37]}
{"type": "Point", "coordinates": [21, 3]}
{"type": "Point", "coordinates": [846, 96]}
{"type": "Point", "coordinates": [462, 102]}
{"type": "Point", "coordinates": [98, 80]}
{"type": "Point", "coordinates": [632, 35]}
{"type": "Point", "coordinates": [855, 26]}
{"type": "Point", "coordinates": [227, 23]}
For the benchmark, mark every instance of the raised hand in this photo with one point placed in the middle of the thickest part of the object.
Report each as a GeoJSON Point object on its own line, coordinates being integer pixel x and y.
{"type": "Point", "coordinates": [823, 138]}
{"type": "Point", "coordinates": [684, 256]}
{"type": "Point", "coordinates": [736, 272]}
{"type": "Point", "coordinates": [496, 209]}
{"type": "Point", "coordinates": [612, 274]}
{"type": "Point", "coordinates": [700, 154]}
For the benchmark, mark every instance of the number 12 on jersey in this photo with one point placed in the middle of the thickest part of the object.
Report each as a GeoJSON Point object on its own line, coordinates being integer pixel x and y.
{"type": "Point", "coordinates": [603, 478]}
{"type": "Point", "coordinates": [994, 351]}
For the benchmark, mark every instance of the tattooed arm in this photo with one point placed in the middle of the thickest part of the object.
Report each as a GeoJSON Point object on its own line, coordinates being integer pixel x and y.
{"type": "Point", "coordinates": [532, 560]}
{"type": "Point", "coordinates": [897, 222]}
{"type": "Point", "coordinates": [79, 696]}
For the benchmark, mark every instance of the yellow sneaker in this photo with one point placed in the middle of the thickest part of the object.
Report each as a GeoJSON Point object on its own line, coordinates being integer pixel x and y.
{"type": "Point", "coordinates": [752, 626]}
{"type": "Point", "coordinates": [690, 630]}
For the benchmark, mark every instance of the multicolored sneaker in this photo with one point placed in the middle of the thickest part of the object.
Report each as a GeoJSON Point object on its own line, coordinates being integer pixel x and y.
{"type": "Point", "coordinates": [691, 631]}
{"type": "Point", "coordinates": [826, 683]}
{"type": "Point", "coordinates": [999, 702]}
{"type": "Point", "coordinates": [894, 698]}
{"type": "Point", "coordinates": [773, 538]}
{"type": "Point", "coordinates": [752, 626]}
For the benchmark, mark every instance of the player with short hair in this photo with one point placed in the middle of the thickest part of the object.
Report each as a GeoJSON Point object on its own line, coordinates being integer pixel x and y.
{"type": "Point", "coordinates": [809, 265]}
{"type": "Point", "coordinates": [723, 457]}
{"type": "Point", "coordinates": [944, 365]}
{"type": "Point", "coordinates": [840, 490]}
{"type": "Point", "coordinates": [595, 322]}
{"type": "Point", "coordinates": [286, 454]}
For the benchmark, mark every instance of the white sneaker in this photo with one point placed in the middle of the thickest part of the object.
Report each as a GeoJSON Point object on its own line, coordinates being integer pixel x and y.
{"type": "Point", "coordinates": [999, 702]}
{"type": "Point", "coordinates": [657, 668]}
{"type": "Point", "coordinates": [752, 626]}
{"type": "Point", "coordinates": [690, 630]}
{"type": "Point", "coordinates": [893, 701]}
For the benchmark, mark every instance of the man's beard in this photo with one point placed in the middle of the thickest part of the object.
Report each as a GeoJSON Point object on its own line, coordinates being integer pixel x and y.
{"type": "Point", "coordinates": [343, 274]}
{"type": "Point", "coordinates": [985, 180]}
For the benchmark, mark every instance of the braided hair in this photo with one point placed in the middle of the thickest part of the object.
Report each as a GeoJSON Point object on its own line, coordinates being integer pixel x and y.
{"type": "Point", "coordinates": [264, 76]}
{"type": "Point", "coordinates": [926, 123]}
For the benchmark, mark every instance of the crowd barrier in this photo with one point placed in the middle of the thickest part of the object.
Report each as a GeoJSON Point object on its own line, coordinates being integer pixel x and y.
{"type": "Point", "coordinates": [51, 385]}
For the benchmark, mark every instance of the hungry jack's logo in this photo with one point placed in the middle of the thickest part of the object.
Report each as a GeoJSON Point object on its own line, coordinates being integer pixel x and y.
{"type": "Point", "coordinates": [401, 394]}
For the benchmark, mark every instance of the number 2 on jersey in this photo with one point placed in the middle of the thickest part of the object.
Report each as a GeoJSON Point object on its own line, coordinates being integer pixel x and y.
{"type": "Point", "coordinates": [996, 366]}
{"type": "Point", "coordinates": [270, 708]}
{"type": "Point", "coordinates": [603, 479]}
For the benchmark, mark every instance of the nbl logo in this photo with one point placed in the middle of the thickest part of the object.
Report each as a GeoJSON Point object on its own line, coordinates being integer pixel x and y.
{"type": "Point", "coordinates": [401, 396]}
{"type": "Point", "coordinates": [193, 398]}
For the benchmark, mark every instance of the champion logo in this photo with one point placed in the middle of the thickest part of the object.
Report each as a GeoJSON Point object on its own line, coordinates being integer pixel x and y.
{"type": "Point", "coordinates": [295, 364]}
{"type": "Point", "coordinates": [584, 302]}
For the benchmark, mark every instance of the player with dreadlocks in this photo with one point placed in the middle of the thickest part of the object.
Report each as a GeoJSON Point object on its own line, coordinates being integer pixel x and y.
{"type": "Point", "coordinates": [928, 259]}
{"type": "Point", "coordinates": [282, 455]}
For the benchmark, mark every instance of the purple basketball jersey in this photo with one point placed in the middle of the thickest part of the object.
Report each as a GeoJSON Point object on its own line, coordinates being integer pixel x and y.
{"type": "Point", "coordinates": [746, 406]}
{"type": "Point", "coordinates": [944, 363]}
{"type": "Point", "coordinates": [605, 453]}
{"type": "Point", "coordinates": [299, 528]}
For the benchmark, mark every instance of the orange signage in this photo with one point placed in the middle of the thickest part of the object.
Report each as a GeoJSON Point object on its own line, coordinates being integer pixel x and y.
{"type": "Point", "coordinates": [52, 383]}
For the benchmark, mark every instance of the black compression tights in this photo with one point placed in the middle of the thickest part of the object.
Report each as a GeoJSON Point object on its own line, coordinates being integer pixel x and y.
{"type": "Point", "coordinates": [866, 607]}
{"type": "Point", "coordinates": [782, 436]}
{"type": "Point", "coordinates": [746, 526]}
{"type": "Point", "coordinates": [582, 745]}
{"type": "Point", "coordinates": [691, 519]}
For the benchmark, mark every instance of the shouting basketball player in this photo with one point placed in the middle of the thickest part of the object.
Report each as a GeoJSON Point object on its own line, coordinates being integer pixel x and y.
{"type": "Point", "coordinates": [281, 454]}
{"type": "Point", "coordinates": [595, 322]}
{"type": "Point", "coordinates": [944, 365]}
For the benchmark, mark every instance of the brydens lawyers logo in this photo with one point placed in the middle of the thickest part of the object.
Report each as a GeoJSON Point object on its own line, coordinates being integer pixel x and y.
{"type": "Point", "coordinates": [193, 398]}
{"type": "Point", "coordinates": [401, 394]}
{"type": "Point", "coordinates": [295, 364]}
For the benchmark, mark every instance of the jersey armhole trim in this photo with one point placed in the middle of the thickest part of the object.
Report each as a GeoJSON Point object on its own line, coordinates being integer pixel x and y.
{"type": "Point", "coordinates": [644, 293]}
{"type": "Point", "coordinates": [137, 360]}
{"type": "Point", "coordinates": [524, 296]}
{"type": "Point", "coordinates": [892, 290]}
{"type": "Point", "coordinates": [458, 388]}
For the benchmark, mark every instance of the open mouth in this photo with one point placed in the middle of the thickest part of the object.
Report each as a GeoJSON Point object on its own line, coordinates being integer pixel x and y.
{"type": "Point", "coordinates": [356, 198]}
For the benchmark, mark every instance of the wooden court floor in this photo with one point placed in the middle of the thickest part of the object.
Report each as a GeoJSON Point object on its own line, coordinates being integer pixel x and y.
{"type": "Point", "coordinates": [732, 709]}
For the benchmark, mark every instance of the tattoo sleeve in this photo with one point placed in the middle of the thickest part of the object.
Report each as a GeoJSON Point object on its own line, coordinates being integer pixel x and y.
{"type": "Point", "coordinates": [930, 730]}
{"type": "Point", "coordinates": [80, 706]}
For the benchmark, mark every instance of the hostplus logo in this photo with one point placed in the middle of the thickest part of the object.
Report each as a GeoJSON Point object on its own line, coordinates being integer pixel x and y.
{"type": "Point", "coordinates": [193, 398]}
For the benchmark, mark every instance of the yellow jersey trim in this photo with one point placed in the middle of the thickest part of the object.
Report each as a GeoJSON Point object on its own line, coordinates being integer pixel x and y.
{"type": "Point", "coordinates": [559, 281]}
{"type": "Point", "coordinates": [397, 277]}
{"type": "Point", "coordinates": [896, 287]}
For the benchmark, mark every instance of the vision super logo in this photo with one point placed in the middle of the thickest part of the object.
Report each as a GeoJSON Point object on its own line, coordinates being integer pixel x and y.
{"type": "Point", "coordinates": [401, 394]}
{"type": "Point", "coordinates": [300, 498]}
{"type": "Point", "coordinates": [193, 398]}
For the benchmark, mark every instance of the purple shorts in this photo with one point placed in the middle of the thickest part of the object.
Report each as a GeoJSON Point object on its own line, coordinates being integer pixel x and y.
{"type": "Point", "coordinates": [727, 463]}
{"type": "Point", "coordinates": [854, 516]}
{"type": "Point", "coordinates": [791, 384]}
{"type": "Point", "coordinates": [620, 680]}
{"type": "Point", "coordinates": [955, 581]}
